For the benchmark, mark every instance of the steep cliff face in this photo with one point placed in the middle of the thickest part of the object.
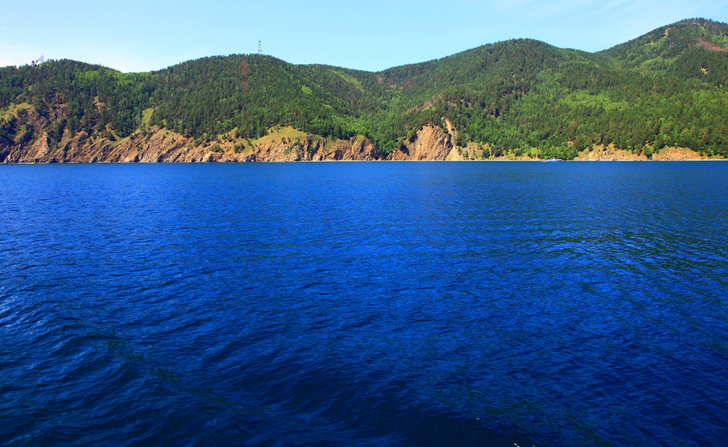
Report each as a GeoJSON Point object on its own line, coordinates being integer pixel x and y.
{"type": "Point", "coordinates": [430, 143]}
{"type": "Point", "coordinates": [32, 138]}
{"type": "Point", "coordinates": [34, 145]}
{"type": "Point", "coordinates": [359, 149]}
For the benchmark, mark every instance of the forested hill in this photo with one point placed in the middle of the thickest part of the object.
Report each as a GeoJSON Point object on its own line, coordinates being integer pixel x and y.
{"type": "Point", "coordinates": [668, 88]}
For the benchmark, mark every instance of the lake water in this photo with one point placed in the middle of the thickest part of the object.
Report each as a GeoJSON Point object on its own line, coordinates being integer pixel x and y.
{"type": "Point", "coordinates": [406, 304]}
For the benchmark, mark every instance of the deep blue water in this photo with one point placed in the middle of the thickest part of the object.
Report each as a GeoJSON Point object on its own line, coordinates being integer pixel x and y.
{"type": "Point", "coordinates": [406, 304]}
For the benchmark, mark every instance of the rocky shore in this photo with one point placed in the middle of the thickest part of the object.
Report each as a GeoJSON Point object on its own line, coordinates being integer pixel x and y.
{"type": "Point", "coordinates": [156, 145]}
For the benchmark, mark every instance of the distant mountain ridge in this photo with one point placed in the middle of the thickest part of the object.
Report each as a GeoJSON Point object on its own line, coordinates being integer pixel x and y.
{"type": "Point", "coordinates": [661, 93]}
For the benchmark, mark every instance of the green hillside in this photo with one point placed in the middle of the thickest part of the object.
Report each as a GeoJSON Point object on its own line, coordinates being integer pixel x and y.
{"type": "Point", "coordinates": [691, 49]}
{"type": "Point", "coordinates": [666, 88]}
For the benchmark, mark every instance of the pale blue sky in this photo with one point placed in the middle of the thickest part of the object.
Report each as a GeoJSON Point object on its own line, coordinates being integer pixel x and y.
{"type": "Point", "coordinates": [140, 35]}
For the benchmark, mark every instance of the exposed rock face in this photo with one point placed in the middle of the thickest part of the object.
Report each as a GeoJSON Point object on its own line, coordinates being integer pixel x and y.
{"type": "Point", "coordinates": [709, 46]}
{"type": "Point", "coordinates": [164, 146]}
{"type": "Point", "coordinates": [317, 150]}
{"type": "Point", "coordinates": [677, 153]}
{"type": "Point", "coordinates": [430, 143]}
{"type": "Point", "coordinates": [31, 143]}
{"type": "Point", "coordinates": [609, 153]}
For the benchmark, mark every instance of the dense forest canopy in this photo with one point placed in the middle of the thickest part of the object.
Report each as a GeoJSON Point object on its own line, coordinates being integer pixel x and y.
{"type": "Point", "coordinates": [666, 88]}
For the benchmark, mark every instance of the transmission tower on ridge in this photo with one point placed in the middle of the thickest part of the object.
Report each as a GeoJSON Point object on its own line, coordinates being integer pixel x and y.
{"type": "Point", "coordinates": [260, 48]}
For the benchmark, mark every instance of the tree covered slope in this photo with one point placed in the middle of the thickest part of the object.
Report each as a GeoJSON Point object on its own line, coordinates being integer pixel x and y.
{"type": "Point", "coordinates": [667, 88]}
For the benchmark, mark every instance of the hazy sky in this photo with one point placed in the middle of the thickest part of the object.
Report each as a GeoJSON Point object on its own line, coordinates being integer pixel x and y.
{"type": "Point", "coordinates": [140, 35]}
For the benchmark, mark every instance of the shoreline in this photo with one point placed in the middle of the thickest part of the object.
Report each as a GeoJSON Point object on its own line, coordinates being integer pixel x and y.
{"type": "Point", "coordinates": [23, 163]}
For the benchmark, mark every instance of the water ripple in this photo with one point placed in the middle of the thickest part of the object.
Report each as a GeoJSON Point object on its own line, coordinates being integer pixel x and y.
{"type": "Point", "coordinates": [364, 304]}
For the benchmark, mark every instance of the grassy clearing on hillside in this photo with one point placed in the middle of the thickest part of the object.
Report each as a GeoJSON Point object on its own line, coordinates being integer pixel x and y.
{"type": "Point", "coordinates": [348, 78]}
{"type": "Point", "coordinates": [278, 133]}
{"type": "Point", "coordinates": [147, 116]}
{"type": "Point", "coordinates": [13, 110]}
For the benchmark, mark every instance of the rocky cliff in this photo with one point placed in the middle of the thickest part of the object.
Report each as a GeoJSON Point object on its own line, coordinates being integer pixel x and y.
{"type": "Point", "coordinates": [35, 145]}
{"type": "Point", "coordinates": [610, 153]}
{"type": "Point", "coordinates": [32, 142]}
